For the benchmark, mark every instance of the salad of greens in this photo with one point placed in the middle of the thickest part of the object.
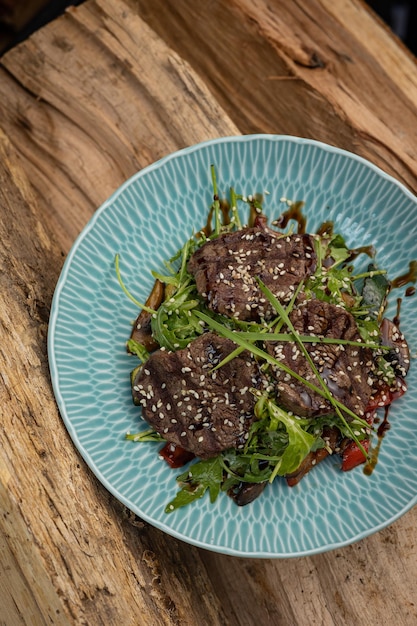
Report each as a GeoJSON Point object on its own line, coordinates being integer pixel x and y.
{"type": "Point", "coordinates": [278, 442]}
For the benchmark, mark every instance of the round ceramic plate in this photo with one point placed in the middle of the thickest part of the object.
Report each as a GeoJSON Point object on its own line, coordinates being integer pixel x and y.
{"type": "Point", "coordinates": [146, 221]}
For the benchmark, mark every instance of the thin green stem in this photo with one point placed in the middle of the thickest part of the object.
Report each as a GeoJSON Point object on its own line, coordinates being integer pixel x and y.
{"type": "Point", "coordinates": [235, 212]}
{"type": "Point", "coordinates": [216, 201]}
{"type": "Point", "coordinates": [248, 345]}
{"type": "Point", "coordinates": [125, 290]}
{"type": "Point", "coordinates": [274, 336]}
{"type": "Point", "coordinates": [370, 274]}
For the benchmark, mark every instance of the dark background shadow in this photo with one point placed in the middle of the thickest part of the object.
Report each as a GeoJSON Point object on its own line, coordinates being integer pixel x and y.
{"type": "Point", "coordinates": [399, 15]}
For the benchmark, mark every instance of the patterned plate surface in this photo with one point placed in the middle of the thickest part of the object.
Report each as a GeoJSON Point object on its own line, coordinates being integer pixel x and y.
{"type": "Point", "coordinates": [146, 221]}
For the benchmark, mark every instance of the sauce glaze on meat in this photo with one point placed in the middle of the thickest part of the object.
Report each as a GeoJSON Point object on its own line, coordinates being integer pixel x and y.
{"type": "Point", "coordinates": [225, 270]}
{"type": "Point", "coordinates": [193, 406]}
{"type": "Point", "coordinates": [345, 369]}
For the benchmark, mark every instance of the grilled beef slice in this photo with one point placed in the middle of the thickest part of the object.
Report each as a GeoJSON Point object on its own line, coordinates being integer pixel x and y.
{"type": "Point", "coordinates": [344, 368]}
{"type": "Point", "coordinates": [225, 270]}
{"type": "Point", "coordinates": [200, 410]}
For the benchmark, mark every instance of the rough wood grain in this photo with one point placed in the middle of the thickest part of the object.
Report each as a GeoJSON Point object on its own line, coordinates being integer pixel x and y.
{"type": "Point", "coordinates": [321, 69]}
{"type": "Point", "coordinates": [99, 93]}
{"type": "Point", "coordinates": [93, 124]}
{"type": "Point", "coordinates": [75, 554]}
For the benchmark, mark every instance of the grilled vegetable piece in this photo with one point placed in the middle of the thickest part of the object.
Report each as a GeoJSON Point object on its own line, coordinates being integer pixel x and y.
{"type": "Point", "coordinates": [141, 331]}
{"type": "Point", "coordinates": [399, 355]}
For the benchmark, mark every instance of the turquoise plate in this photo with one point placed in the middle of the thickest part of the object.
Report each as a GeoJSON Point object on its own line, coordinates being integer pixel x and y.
{"type": "Point", "coordinates": [146, 221]}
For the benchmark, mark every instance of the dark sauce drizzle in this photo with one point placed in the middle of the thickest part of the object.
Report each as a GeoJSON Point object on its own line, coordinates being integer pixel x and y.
{"type": "Point", "coordinates": [293, 213]}
{"type": "Point", "coordinates": [326, 228]}
{"type": "Point", "coordinates": [225, 213]}
{"type": "Point", "coordinates": [397, 317]}
{"type": "Point", "coordinates": [355, 252]}
{"type": "Point", "coordinates": [408, 277]}
{"type": "Point", "coordinates": [373, 454]}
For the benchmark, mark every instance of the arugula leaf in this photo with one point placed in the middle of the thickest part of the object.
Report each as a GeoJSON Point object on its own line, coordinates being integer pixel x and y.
{"type": "Point", "coordinates": [368, 328]}
{"type": "Point", "coordinates": [360, 427]}
{"type": "Point", "coordinates": [200, 477]}
{"type": "Point", "coordinates": [374, 291]}
{"type": "Point", "coordinates": [338, 250]}
{"type": "Point", "coordinates": [138, 349]}
{"type": "Point", "coordinates": [175, 324]}
{"type": "Point", "coordinates": [249, 467]}
{"type": "Point", "coordinates": [300, 441]}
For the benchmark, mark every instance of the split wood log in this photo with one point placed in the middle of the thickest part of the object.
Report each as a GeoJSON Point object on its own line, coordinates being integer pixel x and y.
{"type": "Point", "coordinates": [96, 95]}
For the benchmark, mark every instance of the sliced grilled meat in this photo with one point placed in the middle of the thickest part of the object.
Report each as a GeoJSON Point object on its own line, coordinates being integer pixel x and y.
{"type": "Point", "coordinates": [225, 270]}
{"type": "Point", "coordinates": [344, 368]}
{"type": "Point", "coordinates": [190, 405]}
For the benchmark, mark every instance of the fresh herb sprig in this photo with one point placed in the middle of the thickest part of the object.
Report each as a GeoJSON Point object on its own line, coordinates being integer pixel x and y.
{"type": "Point", "coordinates": [145, 435]}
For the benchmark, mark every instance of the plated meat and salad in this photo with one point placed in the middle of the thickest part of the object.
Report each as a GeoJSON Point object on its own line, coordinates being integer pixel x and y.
{"type": "Point", "coordinates": [262, 352]}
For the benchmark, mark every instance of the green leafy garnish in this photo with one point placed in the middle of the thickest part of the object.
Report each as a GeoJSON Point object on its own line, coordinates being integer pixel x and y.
{"type": "Point", "coordinates": [134, 347]}
{"type": "Point", "coordinates": [145, 435]}
{"type": "Point", "coordinates": [300, 441]}
{"type": "Point", "coordinates": [175, 323]}
{"type": "Point", "coordinates": [277, 442]}
{"type": "Point", "coordinates": [200, 477]}
{"type": "Point", "coordinates": [375, 290]}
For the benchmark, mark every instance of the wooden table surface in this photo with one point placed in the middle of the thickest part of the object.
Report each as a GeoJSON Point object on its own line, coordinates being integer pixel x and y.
{"type": "Point", "coordinates": [96, 95]}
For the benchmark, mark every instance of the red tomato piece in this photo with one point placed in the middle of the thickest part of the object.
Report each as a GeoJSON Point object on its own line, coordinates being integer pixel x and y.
{"type": "Point", "coordinates": [386, 394]}
{"type": "Point", "coordinates": [175, 456]}
{"type": "Point", "coordinates": [353, 455]}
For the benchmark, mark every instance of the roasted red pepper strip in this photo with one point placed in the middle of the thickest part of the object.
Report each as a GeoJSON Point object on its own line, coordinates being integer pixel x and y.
{"type": "Point", "coordinates": [386, 395]}
{"type": "Point", "coordinates": [175, 456]}
{"type": "Point", "coordinates": [353, 455]}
